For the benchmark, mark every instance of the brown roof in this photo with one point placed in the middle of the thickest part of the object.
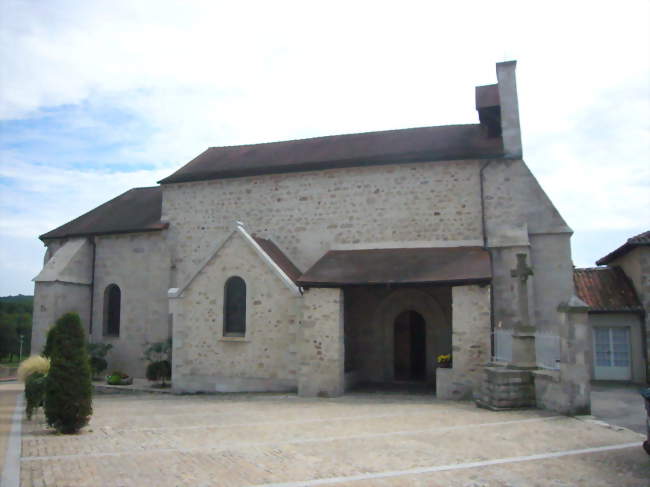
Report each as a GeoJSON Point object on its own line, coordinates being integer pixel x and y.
{"type": "Point", "coordinates": [636, 241]}
{"type": "Point", "coordinates": [137, 210]}
{"type": "Point", "coordinates": [279, 258]}
{"type": "Point", "coordinates": [449, 142]}
{"type": "Point", "coordinates": [454, 265]}
{"type": "Point", "coordinates": [605, 289]}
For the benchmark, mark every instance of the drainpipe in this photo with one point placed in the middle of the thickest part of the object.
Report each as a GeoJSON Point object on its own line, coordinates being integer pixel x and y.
{"type": "Point", "coordinates": [485, 247]}
{"type": "Point", "coordinates": [92, 291]}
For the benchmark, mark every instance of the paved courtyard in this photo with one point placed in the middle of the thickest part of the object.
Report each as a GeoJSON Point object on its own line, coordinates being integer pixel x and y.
{"type": "Point", "coordinates": [359, 440]}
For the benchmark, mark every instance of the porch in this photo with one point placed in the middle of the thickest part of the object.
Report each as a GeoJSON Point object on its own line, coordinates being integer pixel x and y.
{"type": "Point", "coordinates": [383, 316]}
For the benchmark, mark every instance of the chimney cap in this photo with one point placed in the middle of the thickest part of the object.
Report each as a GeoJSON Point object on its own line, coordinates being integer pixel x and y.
{"type": "Point", "coordinates": [504, 64]}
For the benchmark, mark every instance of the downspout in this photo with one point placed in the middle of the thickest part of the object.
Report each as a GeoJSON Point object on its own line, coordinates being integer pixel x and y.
{"type": "Point", "coordinates": [485, 247]}
{"type": "Point", "coordinates": [92, 291]}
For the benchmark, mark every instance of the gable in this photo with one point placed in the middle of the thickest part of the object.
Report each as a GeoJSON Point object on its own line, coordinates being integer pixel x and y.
{"type": "Point", "coordinates": [244, 248]}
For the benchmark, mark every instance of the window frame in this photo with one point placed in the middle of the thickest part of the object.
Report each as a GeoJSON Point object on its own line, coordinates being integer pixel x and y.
{"type": "Point", "coordinates": [227, 293]}
{"type": "Point", "coordinates": [108, 326]}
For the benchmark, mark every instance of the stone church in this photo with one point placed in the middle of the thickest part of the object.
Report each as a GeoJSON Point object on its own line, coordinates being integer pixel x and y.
{"type": "Point", "coordinates": [320, 264]}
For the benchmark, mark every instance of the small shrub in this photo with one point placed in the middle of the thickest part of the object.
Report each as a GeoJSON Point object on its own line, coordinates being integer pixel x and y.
{"type": "Point", "coordinates": [33, 365]}
{"type": "Point", "coordinates": [159, 371]}
{"type": "Point", "coordinates": [98, 365]}
{"type": "Point", "coordinates": [34, 392]}
{"type": "Point", "coordinates": [98, 352]}
{"type": "Point", "coordinates": [68, 389]}
{"type": "Point", "coordinates": [158, 351]}
{"type": "Point", "coordinates": [47, 348]}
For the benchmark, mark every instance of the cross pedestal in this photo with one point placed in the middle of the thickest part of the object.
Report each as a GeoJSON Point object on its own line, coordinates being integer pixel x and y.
{"type": "Point", "coordinates": [513, 387]}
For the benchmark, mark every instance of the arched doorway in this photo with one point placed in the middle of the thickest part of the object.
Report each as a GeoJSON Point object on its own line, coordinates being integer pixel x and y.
{"type": "Point", "coordinates": [410, 346]}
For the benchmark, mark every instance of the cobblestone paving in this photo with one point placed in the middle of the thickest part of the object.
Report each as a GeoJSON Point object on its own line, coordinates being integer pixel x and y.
{"type": "Point", "coordinates": [361, 440]}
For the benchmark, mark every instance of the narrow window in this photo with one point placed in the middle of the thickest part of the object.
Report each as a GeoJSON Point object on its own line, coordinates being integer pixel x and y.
{"type": "Point", "coordinates": [234, 307]}
{"type": "Point", "coordinates": [112, 305]}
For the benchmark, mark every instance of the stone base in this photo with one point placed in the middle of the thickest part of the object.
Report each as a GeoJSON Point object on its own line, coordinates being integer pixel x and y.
{"type": "Point", "coordinates": [453, 385]}
{"type": "Point", "coordinates": [505, 388]}
{"type": "Point", "coordinates": [554, 394]}
{"type": "Point", "coordinates": [190, 384]}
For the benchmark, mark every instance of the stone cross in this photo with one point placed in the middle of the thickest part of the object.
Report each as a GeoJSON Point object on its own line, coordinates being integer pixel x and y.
{"type": "Point", "coordinates": [521, 272]}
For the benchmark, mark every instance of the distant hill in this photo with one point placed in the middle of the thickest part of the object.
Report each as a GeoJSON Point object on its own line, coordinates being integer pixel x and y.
{"type": "Point", "coordinates": [16, 304]}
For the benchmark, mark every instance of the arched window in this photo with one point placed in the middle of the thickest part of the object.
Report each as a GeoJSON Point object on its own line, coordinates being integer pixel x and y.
{"type": "Point", "coordinates": [234, 307]}
{"type": "Point", "coordinates": [112, 306]}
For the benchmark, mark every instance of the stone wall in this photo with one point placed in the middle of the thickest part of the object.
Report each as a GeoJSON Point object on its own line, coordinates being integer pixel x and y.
{"type": "Point", "coordinates": [265, 358]}
{"type": "Point", "coordinates": [321, 344]}
{"type": "Point", "coordinates": [139, 264]}
{"type": "Point", "coordinates": [520, 218]}
{"type": "Point", "coordinates": [471, 343]}
{"type": "Point", "coordinates": [62, 286]}
{"type": "Point", "coordinates": [636, 264]}
{"type": "Point", "coordinates": [568, 391]}
{"type": "Point", "coordinates": [308, 213]}
{"type": "Point", "coordinates": [51, 301]}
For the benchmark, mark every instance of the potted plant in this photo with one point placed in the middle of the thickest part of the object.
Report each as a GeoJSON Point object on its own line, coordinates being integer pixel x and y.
{"type": "Point", "coordinates": [118, 378]}
{"type": "Point", "coordinates": [444, 361]}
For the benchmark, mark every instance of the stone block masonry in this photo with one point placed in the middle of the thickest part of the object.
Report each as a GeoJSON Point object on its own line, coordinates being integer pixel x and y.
{"type": "Point", "coordinates": [321, 344]}
{"type": "Point", "coordinates": [265, 358]}
{"type": "Point", "coordinates": [307, 214]}
{"type": "Point", "coordinates": [470, 343]}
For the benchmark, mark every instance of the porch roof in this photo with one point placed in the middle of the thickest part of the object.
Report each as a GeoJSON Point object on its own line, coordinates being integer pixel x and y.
{"type": "Point", "coordinates": [451, 265]}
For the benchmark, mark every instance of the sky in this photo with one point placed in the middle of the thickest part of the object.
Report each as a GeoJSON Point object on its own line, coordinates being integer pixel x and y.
{"type": "Point", "coordinates": [101, 96]}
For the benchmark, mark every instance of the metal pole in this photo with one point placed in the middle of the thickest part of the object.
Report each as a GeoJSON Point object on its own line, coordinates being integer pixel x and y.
{"type": "Point", "coordinates": [20, 353]}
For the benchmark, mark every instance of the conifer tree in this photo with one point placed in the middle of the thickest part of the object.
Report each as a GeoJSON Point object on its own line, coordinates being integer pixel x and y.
{"type": "Point", "coordinates": [68, 391]}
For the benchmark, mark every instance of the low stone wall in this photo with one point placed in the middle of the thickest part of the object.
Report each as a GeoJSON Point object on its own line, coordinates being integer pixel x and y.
{"type": "Point", "coordinates": [6, 372]}
{"type": "Point", "coordinates": [196, 383]}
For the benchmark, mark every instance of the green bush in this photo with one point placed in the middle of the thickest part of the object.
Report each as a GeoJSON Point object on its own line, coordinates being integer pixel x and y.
{"type": "Point", "coordinates": [98, 352]}
{"type": "Point", "coordinates": [47, 348]}
{"type": "Point", "coordinates": [34, 392]}
{"type": "Point", "coordinates": [68, 390]}
{"type": "Point", "coordinates": [98, 365]}
{"type": "Point", "coordinates": [159, 371]}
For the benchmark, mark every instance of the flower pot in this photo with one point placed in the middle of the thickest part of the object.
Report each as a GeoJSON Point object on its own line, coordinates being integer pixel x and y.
{"type": "Point", "coordinates": [124, 381]}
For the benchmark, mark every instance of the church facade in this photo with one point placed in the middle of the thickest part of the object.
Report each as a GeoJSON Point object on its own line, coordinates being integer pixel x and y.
{"type": "Point", "coordinates": [315, 265]}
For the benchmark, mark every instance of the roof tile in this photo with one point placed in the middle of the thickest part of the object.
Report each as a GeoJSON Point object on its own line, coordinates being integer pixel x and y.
{"type": "Point", "coordinates": [137, 210]}
{"type": "Point", "coordinates": [605, 289]}
{"type": "Point", "coordinates": [447, 142]}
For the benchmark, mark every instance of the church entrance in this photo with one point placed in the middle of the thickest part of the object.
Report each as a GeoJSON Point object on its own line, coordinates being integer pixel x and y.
{"type": "Point", "coordinates": [410, 347]}
{"type": "Point", "coordinates": [393, 336]}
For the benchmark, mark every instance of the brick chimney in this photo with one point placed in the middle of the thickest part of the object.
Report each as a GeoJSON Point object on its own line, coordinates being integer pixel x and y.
{"type": "Point", "coordinates": [498, 109]}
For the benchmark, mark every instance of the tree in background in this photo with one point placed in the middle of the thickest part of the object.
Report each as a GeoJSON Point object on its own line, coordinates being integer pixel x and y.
{"type": "Point", "coordinates": [15, 320]}
{"type": "Point", "coordinates": [68, 389]}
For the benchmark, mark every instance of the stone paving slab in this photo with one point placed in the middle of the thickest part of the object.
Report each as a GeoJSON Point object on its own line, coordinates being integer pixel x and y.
{"type": "Point", "coordinates": [254, 440]}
